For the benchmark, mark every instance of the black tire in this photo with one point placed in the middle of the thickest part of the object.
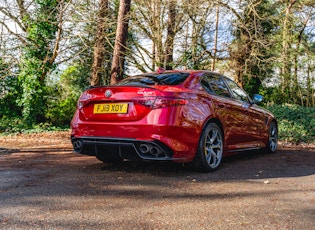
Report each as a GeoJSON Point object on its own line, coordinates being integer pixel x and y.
{"type": "Point", "coordinates": [210, 148]}
{"type": "Point", "coordinates": [272, 143]}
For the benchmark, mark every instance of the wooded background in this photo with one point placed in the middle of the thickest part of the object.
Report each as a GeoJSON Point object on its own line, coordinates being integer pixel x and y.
{"type": "Point", "coordinates": [51, 50]}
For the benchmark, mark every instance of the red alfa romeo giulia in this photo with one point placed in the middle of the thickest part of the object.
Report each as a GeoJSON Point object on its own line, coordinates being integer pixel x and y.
{"type": "Point", "coordinates": [181, 116]}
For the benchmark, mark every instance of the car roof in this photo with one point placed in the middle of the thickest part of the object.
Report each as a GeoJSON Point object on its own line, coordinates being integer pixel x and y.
{"type": "Point", "coordinates": [192, 72]}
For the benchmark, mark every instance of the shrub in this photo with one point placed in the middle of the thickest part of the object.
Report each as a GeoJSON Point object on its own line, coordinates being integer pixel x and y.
{"type": "Point", "coordinates": [296, 123]}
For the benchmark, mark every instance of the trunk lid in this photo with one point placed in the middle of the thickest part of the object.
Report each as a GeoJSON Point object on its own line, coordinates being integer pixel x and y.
{"type": "Point", "coordinates": [123, 103]}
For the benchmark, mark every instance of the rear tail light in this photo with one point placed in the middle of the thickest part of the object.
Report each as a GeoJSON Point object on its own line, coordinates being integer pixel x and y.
{"type": "Point", "coordinates": [84, 98]}
{"type": "Point", "coordinates": [160, 102]}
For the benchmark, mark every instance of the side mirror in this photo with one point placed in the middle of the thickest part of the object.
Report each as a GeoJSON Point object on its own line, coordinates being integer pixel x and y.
{"type": "Point", "coordinates": [257, 98]}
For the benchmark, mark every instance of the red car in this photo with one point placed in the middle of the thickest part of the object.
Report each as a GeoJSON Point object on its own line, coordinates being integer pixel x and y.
{"type": "Point", "coordinates": [181, 116]}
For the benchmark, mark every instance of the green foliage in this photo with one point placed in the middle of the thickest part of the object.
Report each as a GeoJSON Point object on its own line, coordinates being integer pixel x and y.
{"type": "Point", "coordinates": [9, 92]}
{"type": "Point", "coordinates": [194, 59]}
{"type": "Point", "coordinates": [296, 123]}
{"type": "Point", "coordinates": [9, 125]}
{"type": "Point", "coordinates": [272, 94]}
{"type": "Point", "coordinates": [253, 45]}
{"type": "Point", "coordinates": [58, 104]}
{"type": "Point", "coordinates": [64, 95]}
{"type": "Point", "coordinates": [35, 62]}
{"type": "Point", "coordinates": [75, 77]}
{"type": "Point", "coordinates": [252, 85]}
{"type": "Point", "coordinates": [32, 100]}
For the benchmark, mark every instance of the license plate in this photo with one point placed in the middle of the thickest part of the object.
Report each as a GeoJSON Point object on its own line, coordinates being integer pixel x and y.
{"type": "Point", "coordinates": [111, 108]}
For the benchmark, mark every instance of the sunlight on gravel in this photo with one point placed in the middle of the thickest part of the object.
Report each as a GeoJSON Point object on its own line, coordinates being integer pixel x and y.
{"type": "Point", "coordinates": [33, 140]}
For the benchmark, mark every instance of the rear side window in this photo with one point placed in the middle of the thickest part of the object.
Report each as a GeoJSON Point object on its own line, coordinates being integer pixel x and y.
{"type": "Point", "coordinates": [215, 84]}
{"type": "Point", "coordinates": [238, 93]}
{"type": "Point", "coordinates": [155, 79]}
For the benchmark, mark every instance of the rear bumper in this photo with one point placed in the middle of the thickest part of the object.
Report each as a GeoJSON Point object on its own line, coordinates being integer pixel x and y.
{"type": "Point", "coordinates": [155, 137]}
{"type": "Point", "coordinates": [126, 148]}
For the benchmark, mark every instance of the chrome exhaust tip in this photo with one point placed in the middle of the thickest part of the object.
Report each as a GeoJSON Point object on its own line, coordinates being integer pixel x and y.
{"type": "Point", "coordinates": [155, 151]}
{"type": "Point", "coordinates": [144, 148]}
{"type": "Point", "coordinates": [77, 145]}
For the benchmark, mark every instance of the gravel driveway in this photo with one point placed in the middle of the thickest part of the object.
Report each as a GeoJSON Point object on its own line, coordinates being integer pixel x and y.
{"type": "Point", "coordinates": [44, 185]}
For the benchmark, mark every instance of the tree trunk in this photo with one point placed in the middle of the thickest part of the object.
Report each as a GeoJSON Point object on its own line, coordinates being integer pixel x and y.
{"type": "Point", "coordinates": [296, 86]}
{"type": "Point", "coordinates": [158, 31]}
{"type": "Point", "coordinates": [99, 49]}
{"type": "Point", "coordinates": [285, 70]}
{"type": "Point", "coordinates": [120, 41]}
{"type": "Point", "coordinates": [215, 46]}
{"type": "Point", "coordinates": [169, 44]}
{"type": "Point", "coordinates": [153, 56]}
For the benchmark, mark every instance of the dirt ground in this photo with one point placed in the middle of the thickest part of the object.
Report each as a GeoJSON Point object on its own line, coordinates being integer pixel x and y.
{"type": "Point", "coordinates": [44, 185]}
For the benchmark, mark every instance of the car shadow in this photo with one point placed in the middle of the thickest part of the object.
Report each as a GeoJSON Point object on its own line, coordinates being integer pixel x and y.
{"type": "Point", "coordinates": [65, 173]}
{"type": "Point", "coordinates": [287, 162]}
{"type": "Point", "coordinates": [9, 151]}
{"type": "Point", "coordinates": [5, 151]}
{"type": "Point", "coordinates": [244, 165]}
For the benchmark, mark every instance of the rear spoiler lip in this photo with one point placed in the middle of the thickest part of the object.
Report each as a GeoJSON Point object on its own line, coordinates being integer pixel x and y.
{"type": "Point", "coordinates": [114, 86]}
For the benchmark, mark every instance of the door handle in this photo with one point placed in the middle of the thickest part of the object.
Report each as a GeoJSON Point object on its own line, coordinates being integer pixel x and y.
{"type": "Point", "coordinates": [220, 105]}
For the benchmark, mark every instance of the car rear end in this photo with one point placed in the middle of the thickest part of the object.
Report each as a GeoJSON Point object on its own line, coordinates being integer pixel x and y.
{"type": "Point", "coordinates": [141, 118]}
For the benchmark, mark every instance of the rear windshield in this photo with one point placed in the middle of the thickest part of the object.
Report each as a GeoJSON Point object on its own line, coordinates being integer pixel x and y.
{"type": "Point", "coordinates": [155, 79]}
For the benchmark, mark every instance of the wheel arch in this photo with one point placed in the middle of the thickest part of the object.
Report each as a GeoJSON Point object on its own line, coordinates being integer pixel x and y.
{"type": "Point", "coordinates": [217, 121]}
{"type": "Point", "coordinates": [200, 162]}
{"type": "Point", "coordinates": [272, 147]}
{"type": "Point", "coordinates": [273, 119]}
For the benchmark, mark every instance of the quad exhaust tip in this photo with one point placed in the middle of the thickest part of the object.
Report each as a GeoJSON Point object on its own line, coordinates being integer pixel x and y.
{"type": "Point", "coordinates": [145, 150]}
{"type": "Point", "coordinates": [150, 149]}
